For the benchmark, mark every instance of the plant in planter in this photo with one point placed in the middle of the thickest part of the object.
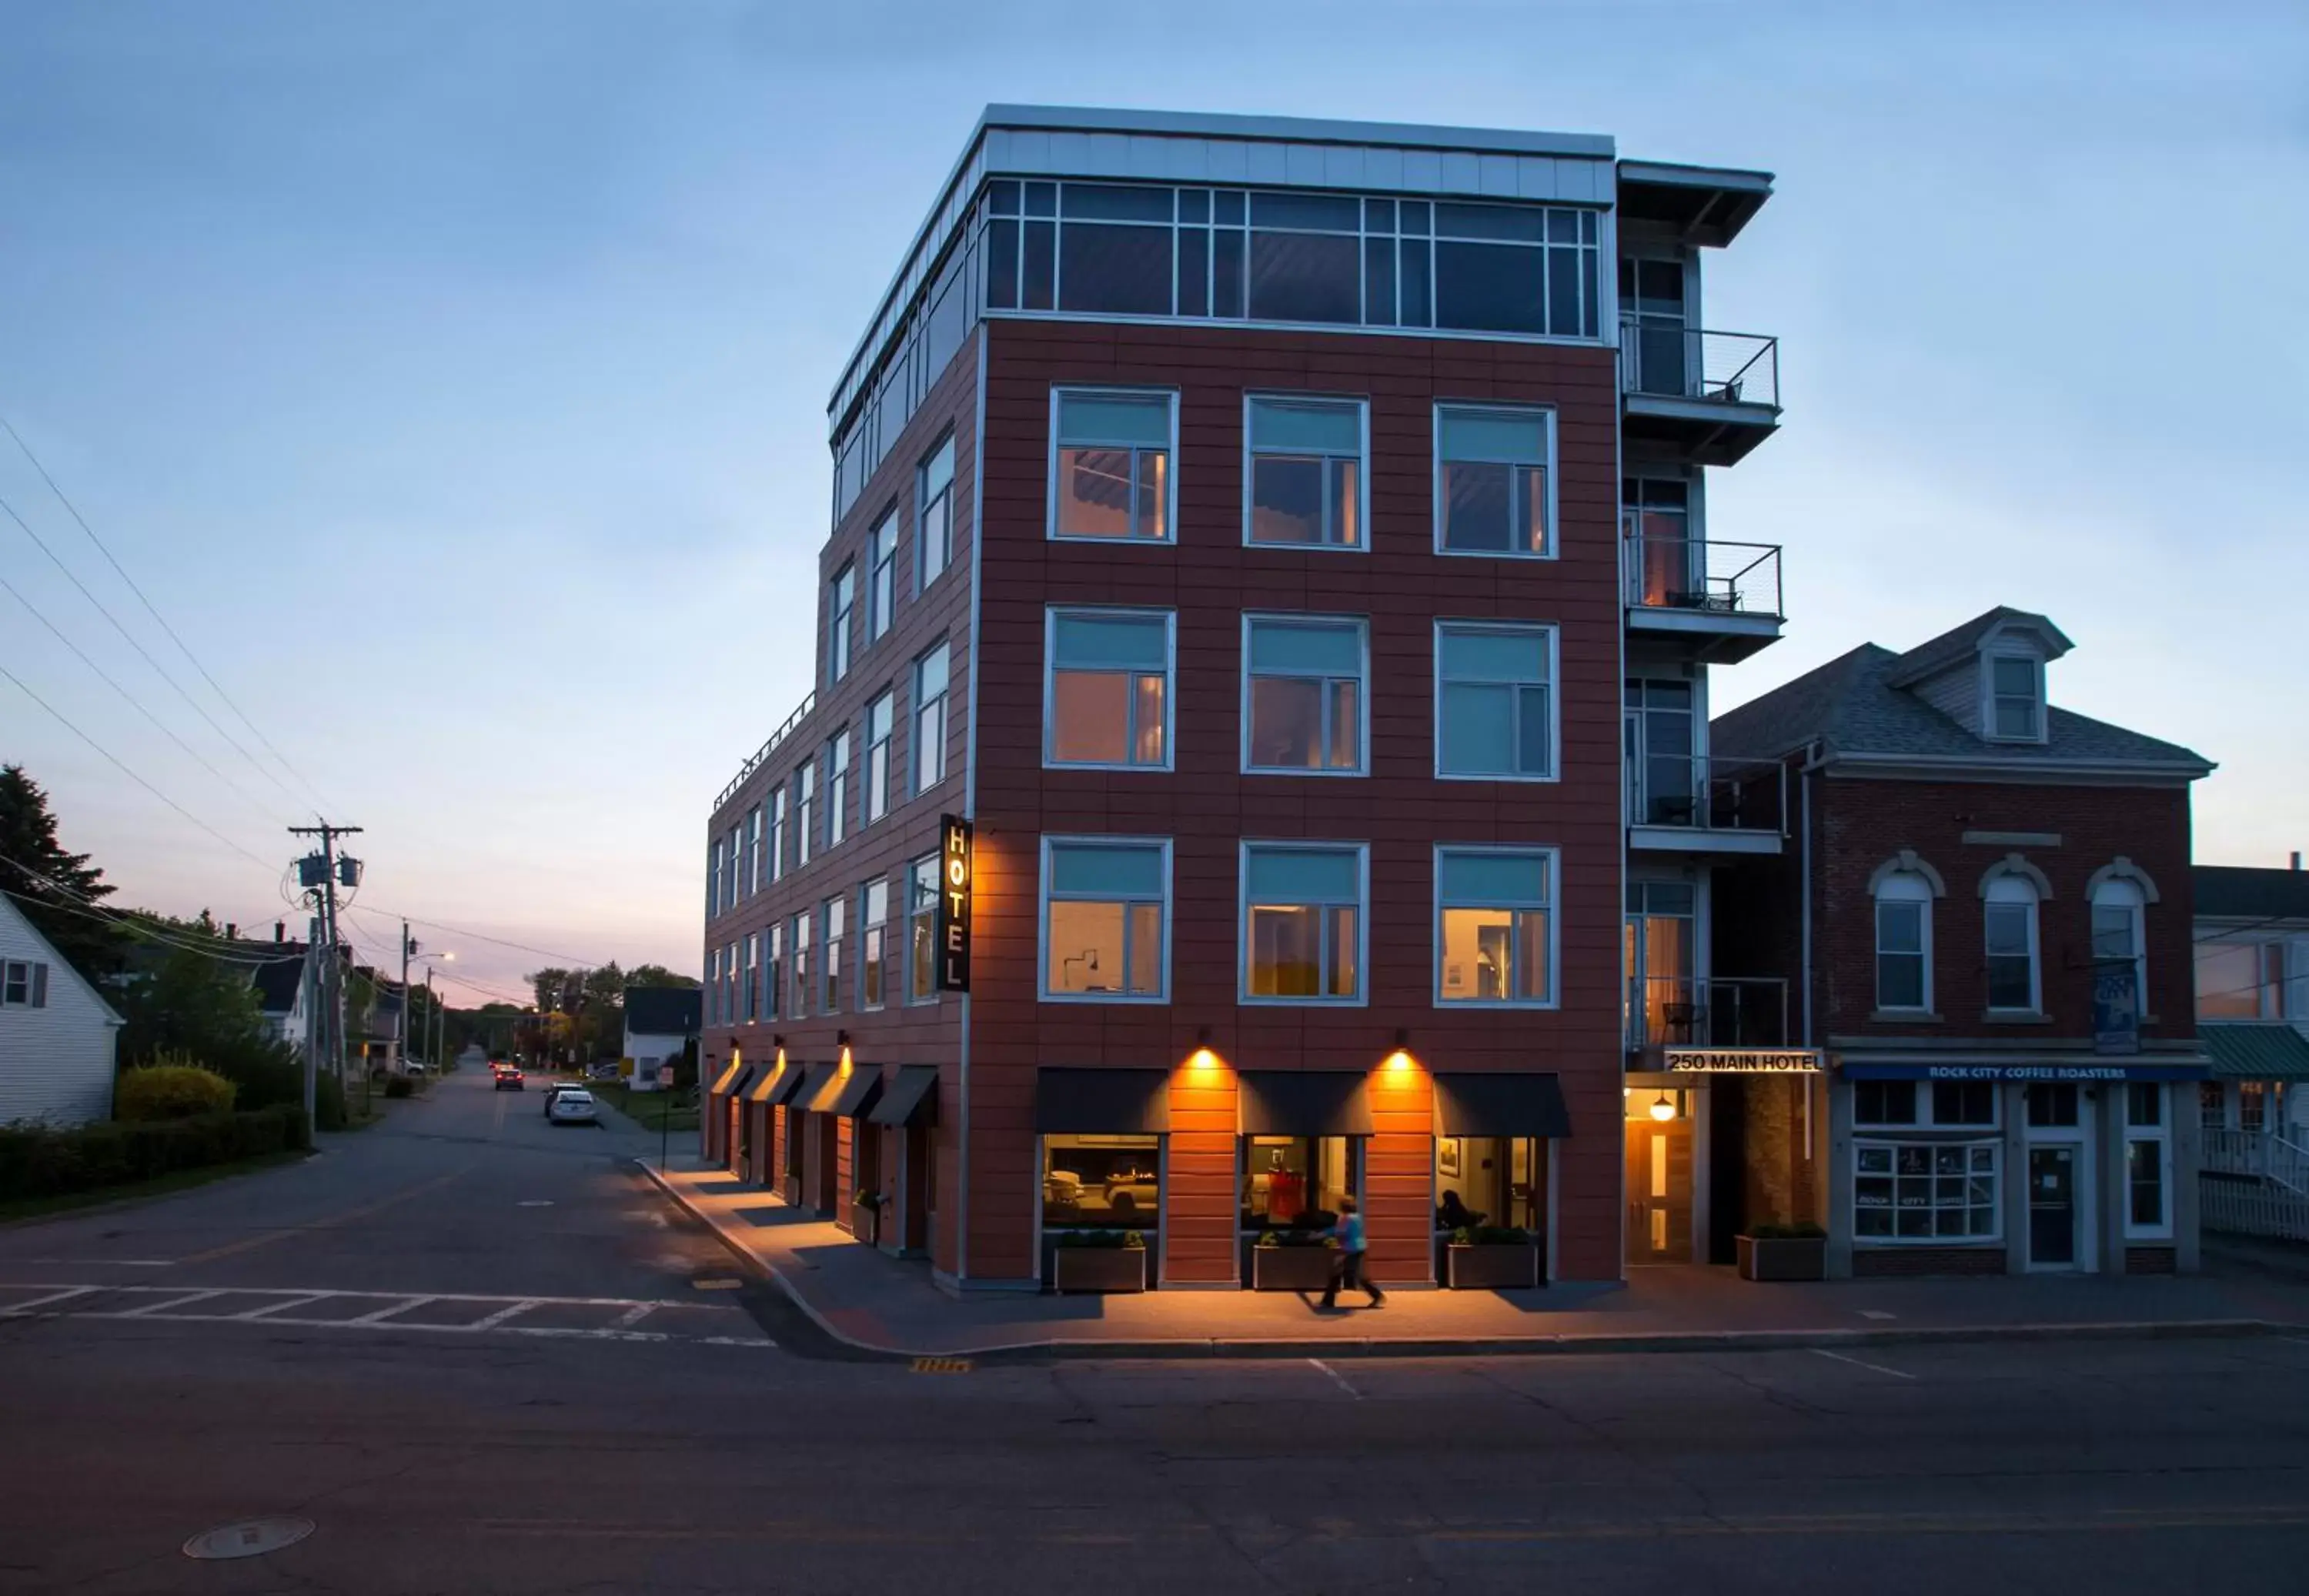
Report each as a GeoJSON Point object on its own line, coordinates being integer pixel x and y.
{"type": "Point", "coordinates": [1298, 1259]}
{"type": "Point", "coordinates": [1098, 1261]}
{"type": "Point", "coordinates": [1783, 1251]}
{"type": "Point", "coordinates": [866, 1216]}
{"type": "Point", "coordinates": [1491, 1258]}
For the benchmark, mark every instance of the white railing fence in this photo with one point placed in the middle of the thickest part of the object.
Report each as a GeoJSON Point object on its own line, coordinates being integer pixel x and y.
{"type": "Point", "coordinates": [2253, 1208]}
{"type": "Point", "coordinates": [2269, 1155]}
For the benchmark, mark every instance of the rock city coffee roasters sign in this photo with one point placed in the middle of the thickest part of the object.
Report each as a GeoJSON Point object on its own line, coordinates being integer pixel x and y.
{"type": "Point", "coordinates": [955, 871]}
{"type": "Point", "coordinates": [1743, 1061]}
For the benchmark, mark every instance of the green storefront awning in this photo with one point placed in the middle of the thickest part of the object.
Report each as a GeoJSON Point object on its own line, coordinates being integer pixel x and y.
{"type": "Point", "coordinates": [2245, 1051]}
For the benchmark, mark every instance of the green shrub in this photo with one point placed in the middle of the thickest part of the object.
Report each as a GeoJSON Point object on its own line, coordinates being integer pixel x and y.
{"type": "Point", "coordinates": [1101, 1240]}
{"type": "Point", "coordinates": [41, 1162]}
{"type": "Point", "coordinates": [1802, 1231]}
{"type": "Point", "coordinates": [1491, 1236]}
{"type": "Point", "coordinates": [400, 1086]}
{"type": "Point", "coordinates": [328, 1102]}
{"type": "Point", "coordinates": [171, 1087]}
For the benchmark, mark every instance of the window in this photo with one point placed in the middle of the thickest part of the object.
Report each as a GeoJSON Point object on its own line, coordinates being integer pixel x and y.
{"type": "Point", "coordinates": [804, 811]}
{"type": "Point", "coordinates": [2241, 980]}
{"type": "Point", "coordinates": [1492, 481]}
{"type": "Point", "coordinates": [729, 979]}
{"type": "Point", "coordinates": [1111, 464]}
{"type": "Point", "coordinates": [1302, 922]}
{"type": "Point", "coordinates": [837, 915]}
{"type": "Point", "coordinates": [931, 673]}
{"type": "Point", "coordinates": [1964, 1103]}
{"type": "Point", "coordinates": [774, 970]}
{"type": "Point", "coordinates": [2052, 1105]}
{"type": "Point", "coordinates": [777, 834]}
{"type": "Point", "coordinates": [879, 960]}
{"type": "Point", "coordinates": [714, 879]}
{"type": "Point", "coordinates": [1948, 1105]}
{"type": "Point", "coordinates": [753, 830]}
{"type": "Point", "coordinates": [837, 785]}
{"type": "Point", "coordinates": [837, 628]}
{"type": "Point", "coordinates": [23, 984]}
{"type": "Point", "coordinates": [2016, 698]}
{"type": "Point", "coordinates": [712, 1001]}
{"type": "Point", "coordinates": [1923, 1191]}
{"type": "Point", "coordinates": [922, 930]}
{"type": "Point", "coordinates": [1108, 1182]}
{"type": "Point", "coordinates": [2117, 933]}
{"type": "Point", "coordinates": [1304, 695]}
{"type": "Point", "coordinates": [1105, 920]}
{"type": "Point", "coordinates": [1904, 962]}
{"type": "Point", "coordinates": [2148, 1160]}
{"type": "Point", "coordinates": [2010, 932]}
{"type": "Point", "coordinates": [1304, 482]}
{"type": "Point", "coordinates": [1494, 708]}
{"type": "Point", "coordinates": [880, 716]}
{"type": "Point", "coordinates": [799, 1006]}
{"type": "Point", "coordinates": [934, 521]}
{"type": "Point", "coordinates": [1287, 1180]}
{"type": "Point", "coordinates": [2252, 1106]}
{"type": "Point", "coordinates": [882, 576]}
{"type": "Point", "coordinates": [1110, 690]}
{"type": "Point", "coordinates": [1493, 919]}
{"type": "Point", "coordinates": [753, 976]}
{"type": "Point", "coordinates": [2212, 1105]}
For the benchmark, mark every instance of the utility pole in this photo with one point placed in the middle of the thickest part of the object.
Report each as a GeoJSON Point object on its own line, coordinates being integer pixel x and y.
{"type": "Point", "coordinates": [334, 969]}
{"type": "Point", "coordinates": [408, 946]}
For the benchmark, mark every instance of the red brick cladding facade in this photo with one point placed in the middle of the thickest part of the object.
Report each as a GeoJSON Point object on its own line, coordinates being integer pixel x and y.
{"type": "Point", "coordinates": [1207, 806]}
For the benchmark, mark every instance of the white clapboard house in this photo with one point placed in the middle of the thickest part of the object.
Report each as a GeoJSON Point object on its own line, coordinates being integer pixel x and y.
{"type": "Point", "coordinates": [57, 1033]}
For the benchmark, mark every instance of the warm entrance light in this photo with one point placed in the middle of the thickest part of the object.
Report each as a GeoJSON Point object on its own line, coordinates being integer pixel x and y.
{"type": "Point", "coordinates": [1662, 1108]}
{"type": "Point", "coordinates": [1398, 1062]}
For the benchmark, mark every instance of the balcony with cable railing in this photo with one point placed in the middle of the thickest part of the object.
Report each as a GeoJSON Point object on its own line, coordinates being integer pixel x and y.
{"type": "Point", "coordinates": [1699, 802]}
{"type": "Point", "coordinates": [1709, 395]}
{"type": "Point", "coordinates": [1720, 1011]}
{"type": "Point", "coordinates": [1725, 597]}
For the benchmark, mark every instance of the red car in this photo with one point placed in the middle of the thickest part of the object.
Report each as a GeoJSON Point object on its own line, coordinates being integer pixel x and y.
{"type": "Point", "coordinates": [508, 1077]}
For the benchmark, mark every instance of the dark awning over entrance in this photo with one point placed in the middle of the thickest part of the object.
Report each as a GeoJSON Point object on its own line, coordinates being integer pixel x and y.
{"type": "Point", "coordinates": [858, 1092]}
{"type": "Point", "coordinates": [1305, 1103]}
{"type": "Point", "coordinates": [788, 1085]}
{"type": "Point", "coordinates": [819, 1090]}
{"type": "Point", "coordinates": [728, 1074]}
{"type": "Point", "coordinates": [1529, 1104]}
{"type": "Point", "coordinates": [1091, 1102]}
{"type": "Point", "coordinates": [740, 1081]}
{"type": "Point", "coordinates": [911, 1100]}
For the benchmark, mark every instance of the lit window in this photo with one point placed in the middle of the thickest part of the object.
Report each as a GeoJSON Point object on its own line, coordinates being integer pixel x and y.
{"type": "Point", "coordinates": [1104, 919]}
{"type": "Point", "coordinates": [1110, 695]}
{"type": "Point", "coordinates": [1302, 922]}
{"type": "Point", "coordinates": [838, 623]}
{"type": "Point", "coordinates": [922, 930]}
{"type": "Point", "coordinates": [2016, 699]}
{"type": "Point", "coordinates": [1110, 466]}
{"type": "Point", "coordinates": [1494, 907]}
{"type": "Point", "coordinates": [1494, 706]}
{"type": "Point", "coordinates": [1305, 475]}
{"type": "Point", "coordinates": [882, 576]}
{"type": "Point", "coordinates": [934, 538]}
{"type": "Point", "coordinates": [931, 673]}
{"type": "Point", "coordinates": [1904, 922]}
{"type": "Point", "coordinates": [1304, 695]}
{"type": "Point", "coordinates": [2241, 980]}
{"type": "Point", "coordinates": [878, 955]}
{"type": "Point", "coordinates": [2010, 932]}
{"type": "Point", "coordinates": [1492, 481]}
{"type": "Point", "coordinates": [1103, 1182]}
{"type": "Point", "coordinates": [881, 717]}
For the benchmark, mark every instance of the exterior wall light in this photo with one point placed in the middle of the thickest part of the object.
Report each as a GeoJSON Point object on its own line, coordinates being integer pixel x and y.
{"type": "Point", "coordinates": [1663, 1108]}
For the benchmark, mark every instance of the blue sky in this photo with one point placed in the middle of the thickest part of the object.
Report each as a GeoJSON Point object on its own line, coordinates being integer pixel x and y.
{"type": "Point", "coordinates": [453, 376]}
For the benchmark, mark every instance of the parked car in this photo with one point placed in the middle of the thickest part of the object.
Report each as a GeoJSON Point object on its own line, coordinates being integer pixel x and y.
{"type": "Point", "coordinates": [509, 1078]}
{"type": "Point", "coordinates": [571, 1105]}
{"type": "Point", "coordinates": [415, 1066]}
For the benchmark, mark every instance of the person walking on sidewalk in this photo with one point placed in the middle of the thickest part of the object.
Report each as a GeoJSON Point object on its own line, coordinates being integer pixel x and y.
{"type": "Point", "coordinates": [1348, 1268]}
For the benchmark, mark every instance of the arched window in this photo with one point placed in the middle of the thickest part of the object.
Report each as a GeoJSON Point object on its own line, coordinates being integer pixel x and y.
{"type": "Point", "coordinates": [2118, 935]}
{"type": "Point", "coordinates": [1904, 941]}
{"type": "Point", "coordinates": [2009, 937]}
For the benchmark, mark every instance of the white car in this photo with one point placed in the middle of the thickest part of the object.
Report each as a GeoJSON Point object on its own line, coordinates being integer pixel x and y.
{"type": "Point", "coordinates": [571, 1105]}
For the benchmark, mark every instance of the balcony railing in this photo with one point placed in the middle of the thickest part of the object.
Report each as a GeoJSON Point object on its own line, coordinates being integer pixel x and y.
{"type": "Point", "coordinates": [1673, 361]}
{"type": "Point", "coordinates": [2267, 1154]}
{"type": "Point", "coordinates": [1705, 793]}
{"type": "Point", "coordinates": [766, 749]}
{"type": "Point", "coordinates": [1670, 573]}
{"type": "Point", "coordinates": [1664, 1011]}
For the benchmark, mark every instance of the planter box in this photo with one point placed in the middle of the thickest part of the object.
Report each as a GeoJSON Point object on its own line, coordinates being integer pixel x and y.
{"type": "Point", "coordinates": [1098, 1269]}
{"type": "Point", "coordinates": [1291, 1268]}
{"type": "Point", "coordinates": [865, 1223]}
{"type": "Point", "coordinates": [1783, 1257]}
{"type": "Point", "coordinates": [1493, 1267]}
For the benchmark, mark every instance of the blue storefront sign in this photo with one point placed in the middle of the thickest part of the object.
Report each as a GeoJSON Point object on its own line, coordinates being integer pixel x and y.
{"type": "Point", "coordinates": [2116, 1008]}
{"type": "Point", "coordinates": [2024, 1072]}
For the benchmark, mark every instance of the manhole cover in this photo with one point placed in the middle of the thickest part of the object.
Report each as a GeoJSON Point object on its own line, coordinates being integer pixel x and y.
{"type": "Point", "coordinates": [250, 1538]}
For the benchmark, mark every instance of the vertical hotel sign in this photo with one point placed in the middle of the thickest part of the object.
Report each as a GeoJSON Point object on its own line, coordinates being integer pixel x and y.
{"type": "Point", "coordinates": [956, 869]}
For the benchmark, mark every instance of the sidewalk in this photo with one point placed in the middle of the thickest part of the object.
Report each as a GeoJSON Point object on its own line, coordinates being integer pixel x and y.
{"type": "Point", "coordinates": [882, 1305]}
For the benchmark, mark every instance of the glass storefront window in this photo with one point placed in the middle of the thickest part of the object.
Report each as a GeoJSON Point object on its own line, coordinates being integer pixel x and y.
{"type": "Point", "coordinates": [1102, 1182]}
{"type": "Point", "coordinates": [1487, 1180]}
{"type": "Point", "coordinates": [1916, 1191]}
{"type": "Point", "coordinates": [1287, 1178]}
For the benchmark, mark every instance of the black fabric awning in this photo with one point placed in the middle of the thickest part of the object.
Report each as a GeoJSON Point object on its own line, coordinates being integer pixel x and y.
{"type": "Point", "coordinates": [1096, 1102]}
{"type": "Point", "coordinates": [1503, 1104]}
{"type": "Point", "coordinates": [911, 1100]}
{"type": "Point", "coordinates": [740, 1081]}
{"type": "Point", "coordinates": [1305, 1103]}
{"type": "Point", "coordinates": [819, 1090]}
{"type": "Point", "coordinates": [787, 1086]}
{"type": "Point", "coordinates": [858, 1090]}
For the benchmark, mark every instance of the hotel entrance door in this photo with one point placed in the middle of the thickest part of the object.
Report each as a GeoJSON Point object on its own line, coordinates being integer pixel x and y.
{"type": "Point", "coordinates": [1659, 1175]}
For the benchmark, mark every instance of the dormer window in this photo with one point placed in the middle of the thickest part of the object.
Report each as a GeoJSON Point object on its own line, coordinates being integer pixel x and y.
{"type": "Point", "coordinates": [2016, 698]}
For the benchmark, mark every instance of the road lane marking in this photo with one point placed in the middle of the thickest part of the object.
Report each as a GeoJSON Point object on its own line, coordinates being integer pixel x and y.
{"type": "Point", "coordinates": [168, 1304]}
{"type": "Point", "coordinates": [1857, 1363]}
{"type": "Point", "coordinates": [1340, 1379]}
{"type": "Point", "coordinates": [1876, 1313]}
{"type": "Point", "coordinates": [297, 1299]}
{"type": "Point", "coordinates": [182, 1305]}
{"type": "Point", "coordinates": [88, 1263]}
{"type": "Point", "coordinates": [503, 1313]}
{"type": "Point", "coordinates": [383, 1313]}
{"type": "Point", "coordinates": [65, 1295]}
{"type": "Point", "coordinates": [632, 1315]}
{"type": "Point", "coordinates": [265, 1238]}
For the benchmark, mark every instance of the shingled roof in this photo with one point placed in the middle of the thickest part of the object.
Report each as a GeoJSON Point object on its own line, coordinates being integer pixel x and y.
{"type": "Point", "coordinates": [2244, 892]}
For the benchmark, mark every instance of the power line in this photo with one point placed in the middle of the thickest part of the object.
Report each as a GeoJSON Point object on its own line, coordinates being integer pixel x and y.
{"type": "Point", "coordinates": [542, 953]}
{"type": "Point", "coordinates": [74, 510]}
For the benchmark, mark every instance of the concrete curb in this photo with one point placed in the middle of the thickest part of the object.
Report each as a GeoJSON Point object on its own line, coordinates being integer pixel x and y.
{"type": "Point", "coordinates": [1570, 1344]}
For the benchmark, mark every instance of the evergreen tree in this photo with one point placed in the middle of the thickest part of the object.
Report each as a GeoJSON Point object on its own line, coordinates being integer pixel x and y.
{"type": "Point", "coordinates": [52, 886]}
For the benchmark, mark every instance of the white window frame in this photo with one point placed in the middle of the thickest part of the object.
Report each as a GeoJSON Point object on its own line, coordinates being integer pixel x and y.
{"type": "Point", "coordinates": [881, 555]}
{"type": "Point", "coordinates": [1554, 859]}
{"type": "Point", "coordinates": [925, 745]}
{"type": "Point", "coordinates": [1994, 1234]}
{"type": "Point", "coordinates": [1554, 550]}
{"type": "Point", "coordinates": [1989, 696]}
{"type": "Point", "coordinates": [1923, 899]}
{"type": "Point", "coordinates": [933, 516]}
{"type": "Point", "coordinates": [874, 796]}
{"type": "Point", "coordinates": [1244, 851]}
{"type": "Point", "coordinates": [1170, 396]}
{"type": "Point", "coordinates": [841, 622]}
{"type": "Point", "coordinates": [1042, 919]}
{"type": "Point", "coordinates": [1052, 615]}
{"type": "Point", "coordinates": [1251, 399]}
{"type": "Point", "coordinates": [1555, 633]}
{"type": "Point", "coordinates": [26, 975]}
{"type": "Point", "coordinates": [1361, 624]}
{"type": "Point", "coordinates": [1927, 1119]}
{"type": "Point", "coordinates": [2032, 903]}
{"type": "Point", "coordinates": [2161, 1135]}
{"type": "Point", "coordinates": [2117, 886]}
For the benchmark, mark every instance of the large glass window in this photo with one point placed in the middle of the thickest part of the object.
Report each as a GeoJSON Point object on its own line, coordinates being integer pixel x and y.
{"type": "Point", "coordinates": [837, 787]}
{"type": "Point", "coordinates": [1487, 1180]}
{"type": "Point", "coordinates": [1492, 472]}
{"type": "Point", "coordinates": [1494, 702]}
{"type": "Point", "coordinates": [881, 717]}
{"type": "Point", "coordinates": [840, 610]}
{"type": "Point", "coordinates": [1104, 919]}
{"type": "Point", "coordinates": [2241, 980]}
{"type": "Point", "coordinates": [1945, 1105]}
{"type": "Point", "coordinates": [882, 576]}
{"type": "Point", "coordinates": [1294, 1181]}
{"type": "Point", "coordinates": [803, 971]}
{"type": "Point", "coordinates": [804, 811]}
{"type": "Point", "coordinates": [776, 840]}
{"type": "Point", "coordinates": [1493, 910]}
{"type": "Point", "coordinates": [753, 831]}
{"type": "Point", "coordinates": [714, 872]}
{"type": "Point", "coordinates": [712, 1001]}
{"type": "Point", "coordinates": [1304, 479]}
{"type": "Point", "coordinates": [1904, 922]}
{"type": "Point", "coordinates": [934, 520]}
{"type": "Point", "coordinates": [749, 1002]}
{"type": "Point", "coordinates": [1110, 693]}
{"type": "Point", "coordinates": [1515, 269]}
{"type": "Point", "coordinates": [1102, 1182]}
{"type": "Point", "coordinates": [1111, 464]}
{"type": "Point", "coordinates": [774, 970]}
{"type": "Point", "coordinates": [878, 952]}
{"type": "Point", "coordinates": [2016, 698]}
{"type": "Point", "coordinates": [837, 913]}
{"type": "Point", "coordinates": [931, 674]}
{"type": "Point", "coordinates": [1302, 922]}
{"type": "Point", "coordinates": [1923, 1191]}
{"type": "Point", "coordinates": [1303, 696]}
{"type": "Point", "coordinates": [1114, 249]}
{"type": "Point", "coordinates": [922, 930]}
{"type": "Point", "coordinates": [2011, 931]}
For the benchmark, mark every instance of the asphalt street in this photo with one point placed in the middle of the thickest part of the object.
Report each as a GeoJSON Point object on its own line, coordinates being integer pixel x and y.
{"type": "Point", "coordinates": [479, 1354]}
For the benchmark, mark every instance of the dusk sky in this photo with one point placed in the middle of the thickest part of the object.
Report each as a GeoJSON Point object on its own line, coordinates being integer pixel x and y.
{"type": "Point", "coordinates": [452, 378]}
